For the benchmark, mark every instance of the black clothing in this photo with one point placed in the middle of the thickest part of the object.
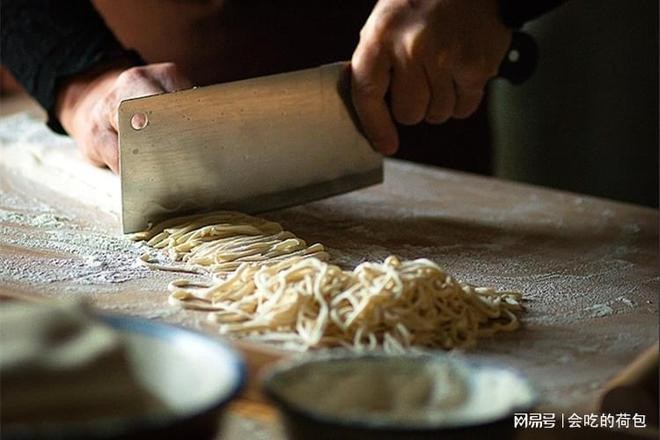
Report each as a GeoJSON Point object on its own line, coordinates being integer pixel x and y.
{"type": "Point", "coordinates": [515, 13]}
{"type": "Point", "coordinates": [45, 41]}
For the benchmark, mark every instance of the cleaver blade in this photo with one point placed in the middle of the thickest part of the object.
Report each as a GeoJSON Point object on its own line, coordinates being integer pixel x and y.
{"type": "Point", "coordinates": [253, 145]}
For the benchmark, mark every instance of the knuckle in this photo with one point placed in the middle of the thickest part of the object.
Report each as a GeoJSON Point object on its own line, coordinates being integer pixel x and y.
{"type": "Point", "coordinates": [133, 74]}
{"type": "Point", "coordinates": [367, 49]}
{"type": "Point", "coordinates": [415, 44]}
{"type": "Point", "coordinates": [381, 25]}
{"type": "Point", "coordinates": [366, 32]}
{"type": "Point", "coordinates": [169, 68]}
{"type": "Point", "coordinates": [366, 57]}
{"type": "Point", "coordinates": [370, 33]}
{"type": "Point", "coordinates": [417, 48]}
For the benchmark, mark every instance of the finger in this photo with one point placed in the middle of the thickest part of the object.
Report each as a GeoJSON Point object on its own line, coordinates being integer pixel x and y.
{"type": "Point", "coordinates": [132, 83]}
{"type": "Point", "coordinates": [410, 93]}
{"type": "Point", "coordinates": [469, 85]}
{"type": "Point", "coordinates": [470, 80]}
{"type": "Point", "coordinates": [370, 78]}
{"type": "Point", "coordinates": [109, 150]}
{"type": "Point", "coordinates": [139, 81]}
{"type": "Point", "coordinates": [171, 78]}
{"type": "Point", "coordinates": [443, 96]}
{"type": "Point", "coordinates": [101, 147]}
{"type": "Point", "coordinates": [467, 101]}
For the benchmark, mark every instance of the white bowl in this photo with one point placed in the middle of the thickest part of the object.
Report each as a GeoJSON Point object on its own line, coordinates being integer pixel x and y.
{"type": "Point", "coordinates": [191, 374]}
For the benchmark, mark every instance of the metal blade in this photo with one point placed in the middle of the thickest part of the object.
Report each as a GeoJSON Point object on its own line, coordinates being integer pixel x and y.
{"type": "Point", "coordinates": [252, 145]}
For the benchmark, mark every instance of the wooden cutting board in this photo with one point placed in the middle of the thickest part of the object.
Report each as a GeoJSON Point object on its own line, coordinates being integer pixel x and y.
{"type": "Point", "coordinates": [587, 266]}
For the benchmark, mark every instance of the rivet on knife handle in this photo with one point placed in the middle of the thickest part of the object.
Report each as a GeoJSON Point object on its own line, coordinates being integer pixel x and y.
{"type": "Point", "coordinates": [520, 60]}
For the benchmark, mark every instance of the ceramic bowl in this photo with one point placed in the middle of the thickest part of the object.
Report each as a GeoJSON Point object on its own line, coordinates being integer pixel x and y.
{"type": "Point", "coordinates": [193, 375]}
{"type": "Point", "coordinates": [498, 393]}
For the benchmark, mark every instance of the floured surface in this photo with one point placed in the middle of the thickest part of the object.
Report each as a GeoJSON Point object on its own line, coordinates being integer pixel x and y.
{"type": "Point", "coordinates": [588, 267]}
{"type": "Point", "coordinates": [27, 146]}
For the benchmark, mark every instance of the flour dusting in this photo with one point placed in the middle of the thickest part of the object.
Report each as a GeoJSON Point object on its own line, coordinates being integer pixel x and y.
{"type": "Point", "coordinates": [64, 251]}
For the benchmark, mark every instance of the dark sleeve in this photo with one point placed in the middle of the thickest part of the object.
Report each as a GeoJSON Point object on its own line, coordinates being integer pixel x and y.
{"type": "Point", "coordinates": [45, 41]}
{"type": "Point", "coordinates": [515, 13]}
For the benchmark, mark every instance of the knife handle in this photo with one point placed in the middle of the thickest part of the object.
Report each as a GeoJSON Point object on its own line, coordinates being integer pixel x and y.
{"type": "Point", "coordinates": [520, 60]}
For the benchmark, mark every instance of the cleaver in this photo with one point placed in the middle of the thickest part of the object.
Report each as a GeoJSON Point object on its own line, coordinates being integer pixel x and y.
{"type": "Point", "coordinates": [253, 145]}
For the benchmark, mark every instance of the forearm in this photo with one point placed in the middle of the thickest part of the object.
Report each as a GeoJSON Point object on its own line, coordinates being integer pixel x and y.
{"type": "Point", "coordinates": [45, 42]}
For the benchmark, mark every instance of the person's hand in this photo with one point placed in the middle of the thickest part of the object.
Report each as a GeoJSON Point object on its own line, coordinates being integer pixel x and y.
{"type": "Point", "coordinates": [87, 104]}
{"type": "Point", "coordinates": [433, 56]}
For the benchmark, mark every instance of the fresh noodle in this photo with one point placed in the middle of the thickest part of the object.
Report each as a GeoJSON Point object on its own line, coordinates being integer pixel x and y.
{"type": "Point", "coordinates": [267, 285]}
{"type": "Point", "coordinates": [219, 243]}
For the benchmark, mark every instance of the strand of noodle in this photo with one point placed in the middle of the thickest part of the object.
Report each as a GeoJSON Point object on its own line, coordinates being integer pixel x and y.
{"type": "Point", "coordinates": [266, 284]}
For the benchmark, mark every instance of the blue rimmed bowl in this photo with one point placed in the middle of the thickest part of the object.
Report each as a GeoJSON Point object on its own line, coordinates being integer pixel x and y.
{"type": "Point", "coordinates": [192, 375]}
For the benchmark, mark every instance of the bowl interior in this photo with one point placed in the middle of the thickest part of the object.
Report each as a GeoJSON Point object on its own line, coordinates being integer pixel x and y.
{"type": "Point", "coordinates": [427, 392]}
{"type": "Point", "coordinates": [187, 372]}
{"type": "Point", "coordinates": [182, 379]}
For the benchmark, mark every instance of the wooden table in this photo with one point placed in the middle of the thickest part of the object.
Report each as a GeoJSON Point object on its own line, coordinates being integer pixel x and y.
{"type": "Point", "coordinates": [588, 267]}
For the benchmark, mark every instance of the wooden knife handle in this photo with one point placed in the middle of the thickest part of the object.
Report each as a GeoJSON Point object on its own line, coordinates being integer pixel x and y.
{"type": "Point", "coordinates": [635, 388]}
